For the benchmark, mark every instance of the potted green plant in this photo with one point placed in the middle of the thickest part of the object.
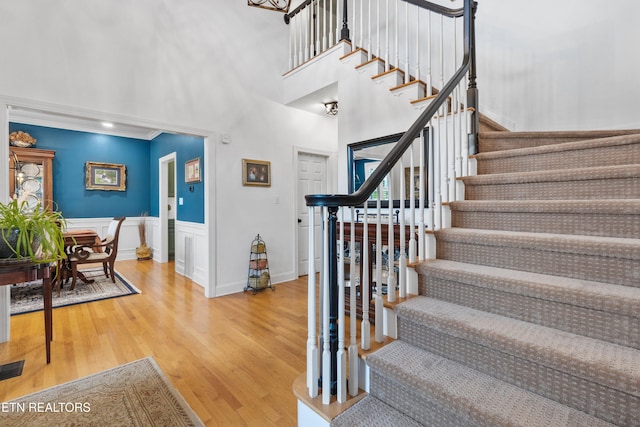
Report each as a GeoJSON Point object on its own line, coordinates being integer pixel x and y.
{"type": "Point", "coordinates": [30, 233]}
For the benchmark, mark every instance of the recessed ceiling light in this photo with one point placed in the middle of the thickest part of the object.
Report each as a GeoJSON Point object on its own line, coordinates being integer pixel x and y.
{"type": "Point", "coordinates": [107, 124]}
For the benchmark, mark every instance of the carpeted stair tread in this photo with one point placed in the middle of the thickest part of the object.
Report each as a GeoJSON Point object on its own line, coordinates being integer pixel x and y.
{"type": "Point", "coordinates": [602, 206]}
{"type": "Point", "coordinates": [496, 141]}
{"type": "Point", "coordinates": [474, 398]}
{"type": "Point", "coordinates": [580, 183]}
{"type": "Point", "coordinates": [581, 174]}
{"type": "Point", "coordinates": [603, 259]}
{"type": "Point", "coordinates": [584, 293]}
{"type": "Point", "coordinates": [373, 412]}
{"type": "Point", "coordinates": [553, 301]}
{"type": "Point", "coordinates": [612, 247]}
{"type": "Point", "coordinates": [616, 150]}
{"type": "Point", "coordinates": [607, 217]}
{"type": "Point", "coordinates": [613, 366]}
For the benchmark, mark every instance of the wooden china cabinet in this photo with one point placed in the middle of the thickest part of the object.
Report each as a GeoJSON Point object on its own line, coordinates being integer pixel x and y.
{"type": "Point", "coordinates": [32, 176]}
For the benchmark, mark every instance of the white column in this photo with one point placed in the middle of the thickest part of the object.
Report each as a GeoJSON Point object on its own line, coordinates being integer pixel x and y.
{"type": "Point", "coordinates": [312, 348]}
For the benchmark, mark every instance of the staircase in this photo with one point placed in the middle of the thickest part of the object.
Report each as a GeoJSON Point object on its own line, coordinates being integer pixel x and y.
{"type": "Point", "coordinates": [530, 315]}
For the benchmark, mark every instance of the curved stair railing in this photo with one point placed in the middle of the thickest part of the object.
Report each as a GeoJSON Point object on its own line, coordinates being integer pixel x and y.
{"type": "Point", "coordinates": [443, 136]}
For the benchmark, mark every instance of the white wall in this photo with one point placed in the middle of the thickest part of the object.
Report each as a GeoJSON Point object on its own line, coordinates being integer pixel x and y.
{"type": "Point", "coordinates": [188, 63]}
{"type": "Point", "coordinates": [548, 64]}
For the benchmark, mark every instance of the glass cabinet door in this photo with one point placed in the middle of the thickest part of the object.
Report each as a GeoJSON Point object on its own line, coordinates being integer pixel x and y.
{"type": "Point", "coordinates": [30, 175]}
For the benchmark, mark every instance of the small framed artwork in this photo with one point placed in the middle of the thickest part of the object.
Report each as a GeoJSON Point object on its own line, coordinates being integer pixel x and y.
{"type": "Point", "coordinates": [256, 172]}
{"type": "Point", "coordinates": [105, 176]}
{"type": "Point", "coordinates": [192, 170]}
{"type": "Point", "coordinates": [412, 183]}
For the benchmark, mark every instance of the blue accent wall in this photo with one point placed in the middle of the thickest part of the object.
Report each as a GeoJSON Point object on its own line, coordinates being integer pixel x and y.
{"type": "Point", "coordinates": [74, 148]}
{"type": "Point", "coordinates": [192, 194]}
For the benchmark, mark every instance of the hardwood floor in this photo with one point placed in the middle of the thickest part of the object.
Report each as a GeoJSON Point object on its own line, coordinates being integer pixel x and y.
{"type": "Point", "coordinates": [233, 358]}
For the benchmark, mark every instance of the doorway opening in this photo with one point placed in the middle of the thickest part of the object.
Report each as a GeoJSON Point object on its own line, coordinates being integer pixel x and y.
{"type": "Point", "coordinates": [167, 208]}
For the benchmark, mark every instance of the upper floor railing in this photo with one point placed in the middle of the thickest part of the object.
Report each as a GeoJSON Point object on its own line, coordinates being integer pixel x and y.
{"type": "Point", "coordinates": [415, 179]}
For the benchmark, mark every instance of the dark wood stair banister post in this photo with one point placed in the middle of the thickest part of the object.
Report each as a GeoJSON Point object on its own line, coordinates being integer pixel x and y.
{"type": "Point", "coordinates": [344, 34]}
{"type": "Point", "coordinates": [333, 297]}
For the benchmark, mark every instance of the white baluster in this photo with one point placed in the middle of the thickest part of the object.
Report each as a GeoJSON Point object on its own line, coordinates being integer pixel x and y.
{"type": "Point", "coordinates": [353, 341]}
{"type": "Point", "coordinates": [407, 74]}
{"type": "Point", "coordinates": [379, 307]}
{"type": "Point", "coordinates": [331, 39]}
{"type": "Point", "coordinates": [370, 31]}
{"type": "Point", "coordinates": [429, 59]}
{"type": "Point", "coordinates": [312, 348]}
{"type": "Point", "coordinates": [361, 44]}
{"type": "Point", "coordinates": [402, 261]}
{"type": "Point", "coordinates": [441, 51]}
{"type": "Point", "coordinates": [412, 206]}
{"type": "Point", "coordinates": [342, 354]}
{"type": "Point", "coordinates": [365, 282]}
{"type": "Point", "coordinates": [291, 46]}
{"type": "Point", "coordinates": [307, 38]}
{"type": "Point", "coordinates": [378, 28]}
{"type": "Point", "coordinates": [299, 26]}
{"type": "Point", "coordinates": [326, 348]}
{"type": "Point", "coordinates": [438, 173]}
{"type": "Point", "coordinates": [325, 30]}
{"type": "Point", "coordinates": [422, 191]}
{"type": "Point", "coordinates": [397, 38]}
{"type": "Point", "coordinates": [318, 29]}
{"type": "Point", "coordinates": [465, 131]}
{"type": "Point", "coordinates": [455, 108]}
{"type": "Point", "coordinates": [391, 278]}
{"type": "Point", "coordinates": [354, 27]}
{"type": "Point", "coordinates": [386, 42]}
{"type": "Point", "coordinates": [418, 77]}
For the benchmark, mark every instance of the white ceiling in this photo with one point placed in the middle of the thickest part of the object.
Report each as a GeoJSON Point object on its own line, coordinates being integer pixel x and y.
{"type": "Point", "coordinates": [83, 124]}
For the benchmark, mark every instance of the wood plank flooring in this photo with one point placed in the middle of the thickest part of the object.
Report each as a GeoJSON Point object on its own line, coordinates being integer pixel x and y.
{"type": "Point", "coordinates": [233, 358]}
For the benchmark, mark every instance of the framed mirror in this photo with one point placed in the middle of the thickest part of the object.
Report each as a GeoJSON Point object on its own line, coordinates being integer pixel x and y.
{"type": "Point", "coordinates": [363, 158]}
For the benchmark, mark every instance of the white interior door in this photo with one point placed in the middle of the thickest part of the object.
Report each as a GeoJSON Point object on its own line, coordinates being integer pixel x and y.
{"type": "Point", "coordinates": [312, 179]}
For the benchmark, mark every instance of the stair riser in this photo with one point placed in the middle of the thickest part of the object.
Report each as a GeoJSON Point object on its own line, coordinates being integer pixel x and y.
{"type": "Point", "coordinates": [554, 314]}
{"type": "Point", "coordinates": [415, 403]}
{"type": "Point", "coordinates": [599, 268]}
{"type": "Point", "coordinates": [622, 188]}
{"type": "Point", "coordinates": [513, 140]}
{"type": "Point", "coordinates": [562, 386]}
{"type": "Point", "coordinates": [586, 224]}
{"type": "Point", "coordinates": [602, 156]}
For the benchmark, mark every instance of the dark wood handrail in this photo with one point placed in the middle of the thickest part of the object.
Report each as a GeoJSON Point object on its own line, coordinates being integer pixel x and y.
{"type": "Point", "coordinates": [358, 197]}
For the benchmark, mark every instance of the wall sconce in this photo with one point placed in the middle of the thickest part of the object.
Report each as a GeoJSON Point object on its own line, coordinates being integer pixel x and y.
{"type": "Point", "coordinates": [331, 108]}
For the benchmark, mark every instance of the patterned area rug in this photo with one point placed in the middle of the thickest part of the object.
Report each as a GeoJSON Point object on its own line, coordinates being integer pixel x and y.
{"type": "Point", "coordinates": [27, 297]}
{"type": "Point", "coordinates": [135, 394]}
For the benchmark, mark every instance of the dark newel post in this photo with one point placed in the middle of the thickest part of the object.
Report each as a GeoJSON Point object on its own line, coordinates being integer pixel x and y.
{"type": "Point", "coordinates": [344, 34]}
{"type": "Point", "coordinates": [472, 91]}
{"type": "Point", "coordinates": [333, 297]}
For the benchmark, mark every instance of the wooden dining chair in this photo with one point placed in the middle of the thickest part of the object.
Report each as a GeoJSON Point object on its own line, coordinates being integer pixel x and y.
{"type": "Point", "coordinates": [104, 253]}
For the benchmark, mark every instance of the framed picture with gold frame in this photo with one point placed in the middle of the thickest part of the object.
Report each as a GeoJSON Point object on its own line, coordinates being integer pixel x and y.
{"type": "Point", "coordinates": [192, 170]}
{"type": "Point", "coordinates": [105, 176]}
{"type": "Point", "coordinates": [256, 172]}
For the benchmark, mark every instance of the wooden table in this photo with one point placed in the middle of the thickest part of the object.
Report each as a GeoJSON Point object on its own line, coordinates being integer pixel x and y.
{"type": "Point", "coordinates": [75, 241]}
{"type": "Point", "coordinates": [19, 271]}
